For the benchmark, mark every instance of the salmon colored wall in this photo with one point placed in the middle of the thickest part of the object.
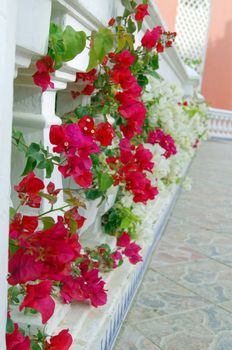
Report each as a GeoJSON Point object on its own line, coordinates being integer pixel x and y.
{"type": "Point", "coordinates": [217, 79]}
{"type": "Point", "coordinates": [168, 11]}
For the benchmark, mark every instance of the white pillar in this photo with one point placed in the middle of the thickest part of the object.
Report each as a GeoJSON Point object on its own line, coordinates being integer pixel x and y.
{"type": "Point", "coordinates": [8, 13]}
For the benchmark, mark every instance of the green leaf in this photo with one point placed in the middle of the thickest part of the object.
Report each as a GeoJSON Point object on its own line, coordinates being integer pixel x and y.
{"type": "Point", "coordinates": [93, 194]}
{"type": "Point", "coordinates": [102, 43]}
{"type": "Point", "coordinates": [74, 43]}
{"type": "Point", "coordinates": [9, 326]}
{"type": "Point", "coordinates": [142, 80]}
{"type": "Point", "coordinates": [35, 346]}
{"type": "Point", "coordinates": [127, 5]}
{"type": "Point", "coordinates": [30, 165]}
{"type": "Point", "coordinates": [33, 148]}
{"type": "Point", "coordinates": [105, 182]}
{"type": "Point", "coordinates": [49, 169]}
{"type": "Point", "coordinates": [155, 62]}
{"type": "Point", "coordinates": [12, 213]}
{"type": "Point", "coordinates": [139, 25]}
{"type": "Point", "coordinates": [48, 222]}
{"type": "Point", "coordinates": [131, 26]}
{"type": "Point", "coordinates": [55, 31]}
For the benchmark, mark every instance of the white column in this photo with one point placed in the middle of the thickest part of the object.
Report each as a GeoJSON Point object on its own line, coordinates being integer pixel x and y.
{"type": "Point", "coordinates": [8, 13]}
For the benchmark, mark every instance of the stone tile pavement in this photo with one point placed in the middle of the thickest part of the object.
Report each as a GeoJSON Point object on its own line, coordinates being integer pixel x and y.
{"type": "Point", "coordinates": [185, 300]}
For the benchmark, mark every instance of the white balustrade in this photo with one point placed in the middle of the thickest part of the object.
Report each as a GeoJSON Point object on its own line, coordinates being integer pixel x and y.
{"type": "Point", "coordinates": [220, 123]}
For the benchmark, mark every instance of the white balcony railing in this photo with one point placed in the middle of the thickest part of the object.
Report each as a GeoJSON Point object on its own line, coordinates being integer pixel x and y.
{"type": "Point", "coordinates": [220, 123]}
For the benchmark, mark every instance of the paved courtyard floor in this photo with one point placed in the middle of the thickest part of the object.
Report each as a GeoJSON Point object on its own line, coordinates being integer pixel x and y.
{"type": "Point", "coordinates": [185, 300]}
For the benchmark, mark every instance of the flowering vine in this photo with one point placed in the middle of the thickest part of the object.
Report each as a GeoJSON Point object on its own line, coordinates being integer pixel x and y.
{"type": "Point", "coordinates": [46, 258]}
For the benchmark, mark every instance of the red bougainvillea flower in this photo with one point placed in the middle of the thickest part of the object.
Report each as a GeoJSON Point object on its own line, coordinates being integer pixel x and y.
{"type": "Point", "coordinates": [42, 77]}
{"type": "Point", "coordinates": [61, 341]}
{"type": "Point", "coordinates": [28, 190]}
{"type": "Point", "coordinates": [86, 124]}
{"type": "Point", "coordinates": [111, 22]}
{"type": "Point", "coordinates": [52, 192]}
{"type": "Point", "coordinates": [72, 215]}
{"type": "Point", "coordinates": [75, 94]}
{"type": "Point", "coordinates": [133, 161]}
{"type": "Point", "coordinates": [141, 12]}
{"type": "Point", "coordinates": [151, 37]}
{"type": "Point", "coordinates": [22, 225]}
{"type": "Point", "coordinates": [88, 90]}
{"type": "Point", "coordinates": [159, 47]}
{"type": "Point", "coordinates": [39, 298]}
{"type": "Point", "coordinates": [169, 43]}
{"type": "Point", "coordinates": [16, 340]}
{"type": "Point", "coordinates": [105, 134]}
{"type": "Point", "coordinates": [140, 186]}
{"type": "Point", "coordinates": [165, 141]}
{"type": "Point", "coordinates": [91, 76]}
{"type": "Point", "coordinates": [124, 58]}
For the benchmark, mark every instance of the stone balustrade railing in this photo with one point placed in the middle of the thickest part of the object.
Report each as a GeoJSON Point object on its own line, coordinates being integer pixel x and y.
{"type": "Point", "coordinates": [26, 29]}
{"type": "Point", "coordinates": [220, 123]}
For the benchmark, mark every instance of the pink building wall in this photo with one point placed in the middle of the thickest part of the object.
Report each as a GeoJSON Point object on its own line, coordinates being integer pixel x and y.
{"type": "Point", "coordinates": [217, 78]}
{"type": "Point", "coordinates": [168, 10]}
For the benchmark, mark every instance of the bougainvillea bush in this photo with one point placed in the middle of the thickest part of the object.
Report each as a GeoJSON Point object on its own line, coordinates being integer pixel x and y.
{"type": "Point", "coordinates": [136, 134]}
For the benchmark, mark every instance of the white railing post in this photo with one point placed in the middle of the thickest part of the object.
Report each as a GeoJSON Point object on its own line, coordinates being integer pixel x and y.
{"type": "Point", "coordinates": [8, 12]}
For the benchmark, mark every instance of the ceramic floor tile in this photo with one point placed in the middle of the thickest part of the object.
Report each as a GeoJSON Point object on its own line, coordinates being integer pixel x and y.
{"type": "Point", "coordinates": [204, 329]}
{"type": "Point", "coordinates": [133, 339]}
{"type": "Point", "coordinates": [207, 278]}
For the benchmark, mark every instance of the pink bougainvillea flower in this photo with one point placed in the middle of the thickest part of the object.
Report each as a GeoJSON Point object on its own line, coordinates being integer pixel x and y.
{"type": "Point", "coordinates": [72, 289]}
{"type": "Point", "coordinates": [123, 240]}
{"type": "Point", "coordinates": [57, 249]}
{"type": "Point", "coordinates": [28, 190]}
{"type": "Point", "coordinates": [16, 340]}
{"type": "Point", "coordinates": [141, 12]}
{"type": "Point", "coordinates": [42, 77]}
{"type": "Point", "coordinates": [151, 37]}
{"type": "Point", "coordinates": [43, 80]}
{"type": "Point", "coordinates": [24, 267]}
{"type": "Point", "coordinates": [87, 286]}
{"type": "Point", "coordinates": [46, 64]}
{"type": "Point", "coordinates": [131, 248]}
{"type": "Point", "coordinates": [69, 139]}
{"type": "Point", "coordinates": [105, 134]}
{"type": "Point", "coordinates": [132, 252]}
{"type": "Point", "coordinates": [39, 298]}
{"type": "Point", "coordinates": [61, 341]}
{"type": "Point", "coordinates": [164, 140]}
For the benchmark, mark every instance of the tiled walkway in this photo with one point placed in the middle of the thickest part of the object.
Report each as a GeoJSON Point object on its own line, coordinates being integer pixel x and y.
{"type": "Point", "coordinates": [185, 301]}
